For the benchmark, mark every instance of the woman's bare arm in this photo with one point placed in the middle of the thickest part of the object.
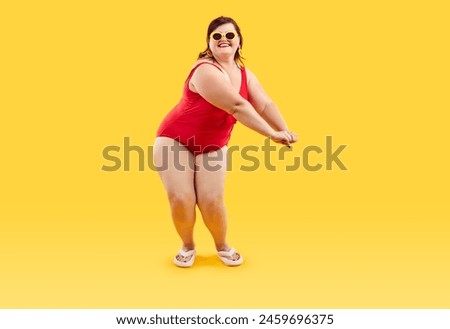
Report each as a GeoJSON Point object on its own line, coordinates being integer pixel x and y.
{"type": "Point", "coordinates": [262, 103]}
{"type": "Point", "coordinates": [210, 83]}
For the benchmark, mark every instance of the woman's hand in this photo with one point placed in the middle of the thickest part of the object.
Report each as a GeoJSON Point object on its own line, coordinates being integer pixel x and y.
{"type": "Point", "coordinates": [284, 137]}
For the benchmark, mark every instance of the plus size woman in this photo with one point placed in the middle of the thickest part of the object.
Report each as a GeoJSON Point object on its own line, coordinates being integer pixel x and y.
{"type": "Point", "coordinates": [191, 143]}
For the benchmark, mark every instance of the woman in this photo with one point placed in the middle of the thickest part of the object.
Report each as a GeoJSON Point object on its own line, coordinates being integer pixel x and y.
{"type": "Point", "coordinates": [191, 144]}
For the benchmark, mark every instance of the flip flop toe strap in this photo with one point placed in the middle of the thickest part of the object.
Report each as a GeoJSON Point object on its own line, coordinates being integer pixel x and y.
{"type": "Point", "coordinates": [228, 253]}
{"type": "Point", "coordinates": [186, 254]}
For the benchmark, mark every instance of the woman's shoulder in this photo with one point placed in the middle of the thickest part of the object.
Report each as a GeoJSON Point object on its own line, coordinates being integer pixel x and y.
{"type": "Point", "coordinates": [249, 72]}
{"type": "Point", "coordinates": [202, 69]}
{"type": "Point", "coordinates": [250, 75]}
{"type": "Point", "coordinates": [203, 60]}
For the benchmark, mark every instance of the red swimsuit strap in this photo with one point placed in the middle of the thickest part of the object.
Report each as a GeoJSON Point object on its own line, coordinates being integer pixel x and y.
{"type": "Point", "coordinates": [243, 90]}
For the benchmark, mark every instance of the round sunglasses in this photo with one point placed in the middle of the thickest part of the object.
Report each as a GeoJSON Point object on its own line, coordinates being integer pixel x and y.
{"type": "Point", "coordinates": [230, 35]}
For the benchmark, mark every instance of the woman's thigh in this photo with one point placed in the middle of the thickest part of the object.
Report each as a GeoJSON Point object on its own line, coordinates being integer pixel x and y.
{"type": "Point", "coordinates": [210, 174]}
{"type": "Point", "coordinates": [175, 165]}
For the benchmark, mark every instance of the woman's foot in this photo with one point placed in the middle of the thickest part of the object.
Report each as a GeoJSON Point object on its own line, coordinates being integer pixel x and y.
{"type": "Point", "coordinates": [184, 258]}
{"type": "Point", "coordinates": [230, 257]}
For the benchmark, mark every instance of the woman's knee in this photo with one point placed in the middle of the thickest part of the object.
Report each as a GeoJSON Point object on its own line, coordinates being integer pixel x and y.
{"type": "Point", "coordinates": [211, 201]}
{"type": "Point", "coordinates": [182, 199]}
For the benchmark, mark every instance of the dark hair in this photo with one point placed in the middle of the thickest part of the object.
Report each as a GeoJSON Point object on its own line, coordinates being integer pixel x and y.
{"type": "Point", "coordinates": [214, 25]}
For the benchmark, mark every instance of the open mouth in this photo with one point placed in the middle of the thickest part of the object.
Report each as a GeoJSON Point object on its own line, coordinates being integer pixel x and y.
{"type": "Point", "coordinates": [224, 45]}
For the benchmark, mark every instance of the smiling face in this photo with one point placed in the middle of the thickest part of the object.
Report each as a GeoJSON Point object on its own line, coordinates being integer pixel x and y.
{"type": "Point", "coordinates": [224, 47]}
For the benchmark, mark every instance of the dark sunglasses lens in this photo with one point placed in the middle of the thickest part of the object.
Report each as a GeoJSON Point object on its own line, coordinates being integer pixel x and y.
{"type": "Point", "coordinates": [217, 36]}
{"type": "Point", "coordinates": [230, 35]}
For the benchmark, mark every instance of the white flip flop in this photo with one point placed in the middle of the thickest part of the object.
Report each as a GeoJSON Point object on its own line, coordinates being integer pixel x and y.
{"type": "Point", "coordinates": [224, 257]}
{"type": "Point", "coordinates": [185, 254]}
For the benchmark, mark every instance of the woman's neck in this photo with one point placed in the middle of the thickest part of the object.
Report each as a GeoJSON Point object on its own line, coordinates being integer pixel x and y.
{"type": "Point", "coordinates": [227, 64]}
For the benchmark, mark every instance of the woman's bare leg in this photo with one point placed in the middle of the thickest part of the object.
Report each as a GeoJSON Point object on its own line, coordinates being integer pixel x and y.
{"type": "Point", "coordinates": [175, 165]}
{"type": "Point", "coordinates": [209, 185]}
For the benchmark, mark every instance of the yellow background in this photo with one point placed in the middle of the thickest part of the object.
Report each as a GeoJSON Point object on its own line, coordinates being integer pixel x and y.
{"type": "Point", "coordinates": [77, 76]}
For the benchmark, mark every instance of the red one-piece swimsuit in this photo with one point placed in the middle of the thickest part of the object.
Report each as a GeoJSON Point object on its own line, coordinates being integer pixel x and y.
{"type": "Point", "coordinates": [196, 123]}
